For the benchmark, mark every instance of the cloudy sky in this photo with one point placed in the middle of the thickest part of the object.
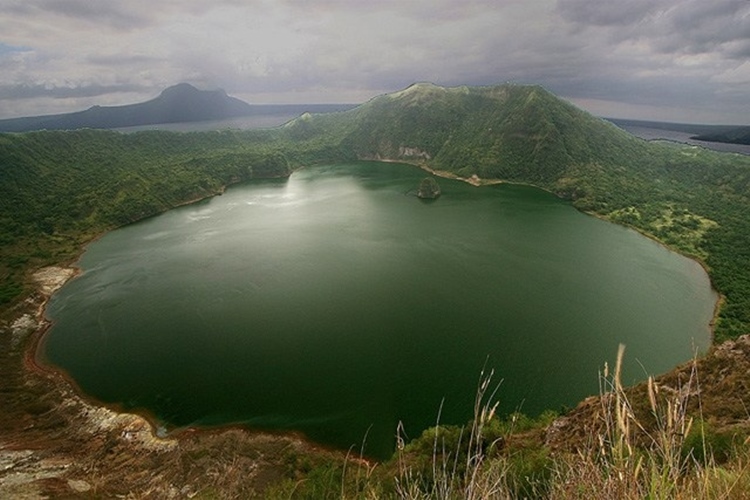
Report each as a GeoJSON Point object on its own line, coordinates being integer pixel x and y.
{"type": "Point", "coordinates": [670, 60]}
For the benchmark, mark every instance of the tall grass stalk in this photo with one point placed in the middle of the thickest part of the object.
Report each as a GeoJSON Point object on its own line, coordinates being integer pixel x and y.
{"type": "Point", "coordinates": [643, 443]}
{"type": "Point", "coordinates": [638, 455]}
{"type": "Point", "coordinates": [455, 477]}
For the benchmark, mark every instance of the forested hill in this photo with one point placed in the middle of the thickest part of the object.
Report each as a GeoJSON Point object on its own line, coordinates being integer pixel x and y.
{"type": "Point", "coordinates": [179, 103]}
{"type": "Point", "coordinates": [511, 132]}
{"type": "Point", "coordinates": [508, 132]}
{"type": "Point", "coordinates": [693, 199]}
{"type": "Point", "coordinates": [59, 189]}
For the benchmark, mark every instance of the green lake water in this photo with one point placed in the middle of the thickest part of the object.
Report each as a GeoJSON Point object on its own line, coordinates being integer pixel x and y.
{"type": "Point", "coordinates": [337, 304]}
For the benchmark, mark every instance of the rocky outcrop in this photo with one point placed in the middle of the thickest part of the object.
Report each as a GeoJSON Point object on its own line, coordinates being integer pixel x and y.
{"type": "Point", "coordinates": [428, 189]}
{"type": "Point", "coordinates": [413, 153]}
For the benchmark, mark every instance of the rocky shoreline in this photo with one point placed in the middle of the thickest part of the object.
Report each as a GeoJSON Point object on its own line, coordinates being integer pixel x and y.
{"type": "Point", "coordinates": [47, 280]}
{"type": "Point", "coordinates": [55, 443]}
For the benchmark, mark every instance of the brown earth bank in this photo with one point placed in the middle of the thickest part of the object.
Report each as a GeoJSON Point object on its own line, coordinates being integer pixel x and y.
{"type": "Point", "coordinates": [53, 443]}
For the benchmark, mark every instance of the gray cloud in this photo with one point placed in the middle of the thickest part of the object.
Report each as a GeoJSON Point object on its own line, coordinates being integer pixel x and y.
{"type": "Point", "coordinates": [123, 59]}
{"type": "Point", "coordinates": [111, 14]}
{"type": "Point", "coordinates": [711, 27]}
{"type": "Point", "coordinates": [608, 12]}
{"type": "Point", "coordinates": [669, 26]}
{"type": "Point", "coordinates": [682, 57]}
{"type": "Point", "coordinates": [32, 91]}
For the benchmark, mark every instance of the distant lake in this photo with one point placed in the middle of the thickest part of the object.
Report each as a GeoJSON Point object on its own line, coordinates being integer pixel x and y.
{"type": "Point", "coordinates": [653, 134]}
{"type": "Point", "coordinates": [240, 123]}
{"type": "Point", "coordinates": [263, 116]}
{"type": "Point", "coordinates": [336, 303]}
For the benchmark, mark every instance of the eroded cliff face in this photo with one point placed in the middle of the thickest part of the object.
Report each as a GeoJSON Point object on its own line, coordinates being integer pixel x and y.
{"type": "Point", "coordinates": [387, 151]}
{"type": "Point", "coordinates": [412, 153]}
{"type": "Point", "coordinates": [47, 280]}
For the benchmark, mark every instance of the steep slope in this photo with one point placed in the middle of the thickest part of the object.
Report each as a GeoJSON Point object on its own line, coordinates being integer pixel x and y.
{"type": "Point", "coordinates": [509, 132]}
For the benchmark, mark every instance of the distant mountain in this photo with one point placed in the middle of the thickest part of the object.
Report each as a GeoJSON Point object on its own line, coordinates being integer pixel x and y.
{"type": "Point", "coordinates": [176, 104]}
{"type": "Point", "coordinates": [736, 135]}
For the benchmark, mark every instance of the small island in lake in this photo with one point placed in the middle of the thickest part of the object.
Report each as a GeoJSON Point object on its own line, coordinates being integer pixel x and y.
{"type": "Point", "coordinates": [428, 189]}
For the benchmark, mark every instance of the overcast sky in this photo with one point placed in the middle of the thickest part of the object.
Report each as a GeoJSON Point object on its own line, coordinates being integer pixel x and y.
{"type": "Point", "coordinates": [669, 60]}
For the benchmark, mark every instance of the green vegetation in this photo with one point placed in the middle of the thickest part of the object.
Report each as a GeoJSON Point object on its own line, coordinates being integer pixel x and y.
{"type": "Point", "coordinates": [645, 442]}
{"type": "Point", "coordinates": [692, 199]}
{"type": "Point", "coordinates": [59, 190]}
{"type": "Point", "coordinates": [428, 188]}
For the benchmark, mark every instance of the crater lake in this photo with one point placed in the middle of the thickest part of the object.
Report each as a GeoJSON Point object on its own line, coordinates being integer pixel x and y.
{"type": "Point", "coordinates": [337, 304]}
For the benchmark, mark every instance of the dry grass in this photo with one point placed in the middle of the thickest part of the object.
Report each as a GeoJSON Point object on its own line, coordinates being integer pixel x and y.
{"type": "Point", "coordinates": [656, 449]}
{"type": "Point", "coordinates": [456, 474]}
{"type": "Point", "coordinates": [634, 458]}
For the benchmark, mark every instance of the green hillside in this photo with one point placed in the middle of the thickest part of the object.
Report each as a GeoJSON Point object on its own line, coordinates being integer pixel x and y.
{"type": "Point", "coordinates": [61, 189]}
{"type": "Point", "coordinates": [690, 198]}
{"type": "Point", "coordinates": [670, 438]}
